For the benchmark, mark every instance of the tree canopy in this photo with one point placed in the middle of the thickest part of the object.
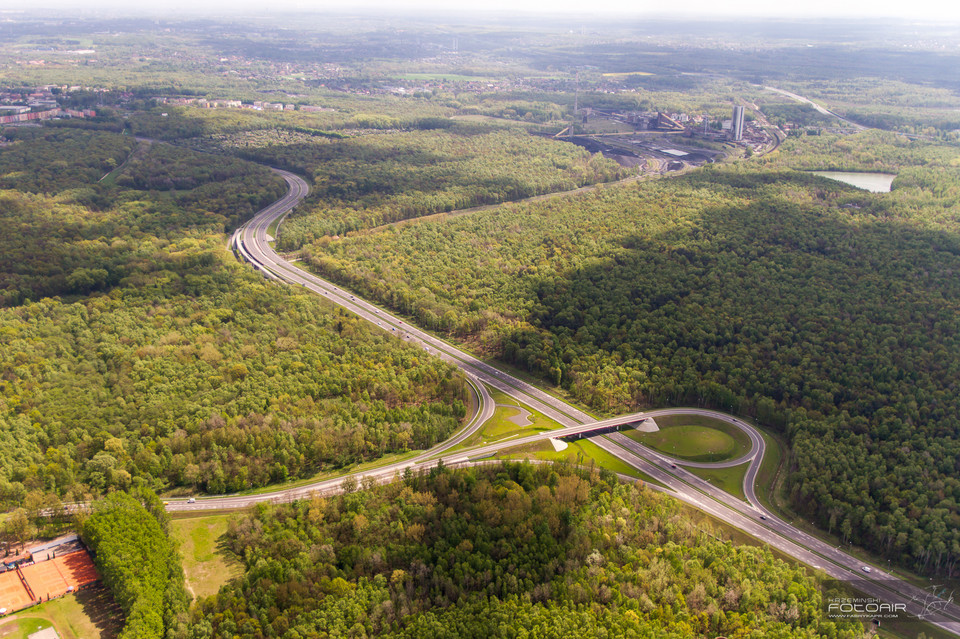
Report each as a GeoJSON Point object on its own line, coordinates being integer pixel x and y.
{"type": "Point", "coordinates": [827, 312]}
{"type": "Point", "coordinates": [503, 551]}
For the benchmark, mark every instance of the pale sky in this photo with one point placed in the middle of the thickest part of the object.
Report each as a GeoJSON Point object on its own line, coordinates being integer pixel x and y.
{"type": "Point", "coordinates": [935, 11]}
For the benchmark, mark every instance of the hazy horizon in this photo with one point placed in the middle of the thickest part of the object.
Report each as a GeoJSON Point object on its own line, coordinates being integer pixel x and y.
{"type": "Point", "coordinates": [924, 11]}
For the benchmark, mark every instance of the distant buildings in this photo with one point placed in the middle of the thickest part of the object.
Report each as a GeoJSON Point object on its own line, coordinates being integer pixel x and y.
{"type": "Point", "coordinates": [736, 125]}
{"type": "Point", "coordinates": [45, 115]}
{"type": "Point", "coordinates": [237, 104]}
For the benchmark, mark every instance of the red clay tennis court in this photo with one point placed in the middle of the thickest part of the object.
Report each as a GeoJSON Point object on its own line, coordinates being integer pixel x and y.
{"type": "Point", "coordinates": [78, 568]}
{"type": "Point", "coordinates": [45, 579]}
{"type": "Point", "coordinates": [53, 578]}
{"type": "Point", "coordinates": [13, 592]}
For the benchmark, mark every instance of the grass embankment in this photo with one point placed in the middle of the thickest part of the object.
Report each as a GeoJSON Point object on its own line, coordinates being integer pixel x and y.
{"type": "Point", "coordinates": [770, 490]}
{"type": "Point", "coordinates": [729, 480]}
{"type": "Point", "coordinates": [773, 472]}
{"type": "Point", "coordinates": [695, 438]}
{"type": "Point", "coordinates": [582, 452]}
{"type": "Point", "coordinates": [895, 629]}
{"type": "Point", "coordinates": [586, 453]}
{"type": "Point", "coordinates": [373, 464]}
{"type": "Point", "coordinates": [509, 420]}
{"type": "Point", "coordinates": [206, 564]}
{"type": "Point", "coordinates": [272, 229]}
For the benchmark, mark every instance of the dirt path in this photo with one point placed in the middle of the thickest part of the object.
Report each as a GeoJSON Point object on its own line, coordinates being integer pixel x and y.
{"type": "Point", "coordinates": [143, 145]}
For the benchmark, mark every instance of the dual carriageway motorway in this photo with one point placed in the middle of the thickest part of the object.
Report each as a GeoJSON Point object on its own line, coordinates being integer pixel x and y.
{"type": "Point", "coordinates": [252, 244]}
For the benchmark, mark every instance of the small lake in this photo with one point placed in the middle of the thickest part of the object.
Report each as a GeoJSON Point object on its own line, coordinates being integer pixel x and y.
{"type": "Point", "coordinates": [873, 182]}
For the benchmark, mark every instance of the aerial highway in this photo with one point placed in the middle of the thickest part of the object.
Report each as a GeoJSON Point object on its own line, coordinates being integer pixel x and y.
{"type": "Point", "coordinates": [820, 109]}
{"type": "Point", "coordinates": [252, 243]}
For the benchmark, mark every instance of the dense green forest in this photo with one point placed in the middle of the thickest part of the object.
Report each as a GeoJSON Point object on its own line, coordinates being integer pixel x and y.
{"type": "Point", "coordinates": [364, 181]}
{"type": "Point", "coordinates": [827, 312]}
{"type": "Point", "coordinates": [347, 115]}
{"type": "Point", "coordinates": [79, 166]}
{"type": "Point", "coordinates": [199, 374]}
{"type": "Point", "coordinates": [170, 362]}
{"type": "Point", "coordinates": [52, 160]}
{"type": "Point", "coordinates": [503, 551]}
{"type": "Point", "coordinates": [380, 168]}
{"type": "Point", "coordinates": [138, 562]}
{"type": "Point", "coordinates": [70, 233]}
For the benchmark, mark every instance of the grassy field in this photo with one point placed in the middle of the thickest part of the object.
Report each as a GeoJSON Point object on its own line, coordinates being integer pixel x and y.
{"type": "Point", "coordinates": [206, 564]}
{"type": "Point", "coordinates": [506, 422]}
{"type": "Point", "coordinates": [727, 479]}
{"type": "Point", "coordinates": [22, 627]}
{"type": "Point", "coordinates": [695, 438]}
{"type": "Point", "coordinates": [695, 443]}
{"type": "Point", "coordinates": [88, 614]}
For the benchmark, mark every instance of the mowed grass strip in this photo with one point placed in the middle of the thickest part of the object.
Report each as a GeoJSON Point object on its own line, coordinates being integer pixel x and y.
{"type": "Point", "coordinates": [206, 564]}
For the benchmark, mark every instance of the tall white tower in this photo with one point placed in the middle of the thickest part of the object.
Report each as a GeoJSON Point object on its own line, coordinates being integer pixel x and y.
{"type": "Point", "coordinates": [736, 127]}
